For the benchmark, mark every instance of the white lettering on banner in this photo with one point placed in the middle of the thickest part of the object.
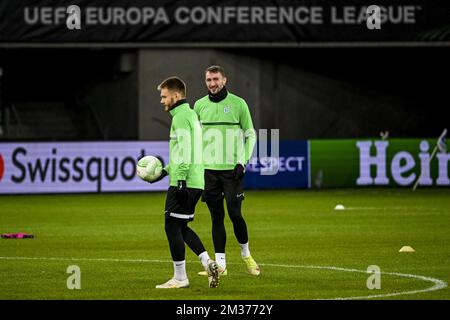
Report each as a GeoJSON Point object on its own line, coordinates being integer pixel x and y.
{"type": "Point", "coordinates": [443, 159]}
{"type": "Point", "coordinates": [182, 15]}
{"type": "Point", "coordinates": [366, 161]}
{"type": "Point", "coordinates": [386, 14]}
{"type": "Point", "coordinates": [398, 169]}
{"type": "Point", "coordinates": [208, 15]}
{"type": "Point", "coordinates": [402, 162]}
{"type": "Point", "coordinates": [249, 15]}
{"type": "Point", "coordinates": [283, 164]}
{"type": "Point", "coordinates": [424, 156]}
{"type": "Point", "coordinates": [96, 15]}
{"type": "Point", "coordinates": [45, 15]}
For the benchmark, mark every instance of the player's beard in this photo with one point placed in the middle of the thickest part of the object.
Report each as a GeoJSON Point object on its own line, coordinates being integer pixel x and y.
{"type": "Point", "coordinates": [170, 105]}
{"type": "Point", "coordinates": [217, 89]}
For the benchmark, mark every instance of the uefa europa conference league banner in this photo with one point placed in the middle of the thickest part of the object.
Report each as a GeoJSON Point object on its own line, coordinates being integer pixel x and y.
{"type": "Point", "coordinates": [110, 166]}
{"type": "Point", "coordinates": [177, 21]}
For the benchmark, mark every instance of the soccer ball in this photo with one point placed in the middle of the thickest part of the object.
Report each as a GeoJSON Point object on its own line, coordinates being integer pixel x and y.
{"type": "Point", "coordinates": [149, 168]}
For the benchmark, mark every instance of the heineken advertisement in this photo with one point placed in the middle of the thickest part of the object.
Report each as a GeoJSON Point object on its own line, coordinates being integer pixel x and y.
{"type": "Point", "coordinates": [393, 162]}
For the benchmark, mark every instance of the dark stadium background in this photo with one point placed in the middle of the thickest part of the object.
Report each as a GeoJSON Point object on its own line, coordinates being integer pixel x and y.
{"type": "Point", "coordinates": [308, 93]}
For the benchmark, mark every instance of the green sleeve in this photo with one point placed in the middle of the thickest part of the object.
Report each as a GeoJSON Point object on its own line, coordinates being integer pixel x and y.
{"type": "Point", "coordinates": [249, 132]}
{"type": "Point", "coordinates": [167, 168]}
{"type": "Point", "coordinates": [183, 133]}
{"type": "Point", "coordinates": [197, 109]}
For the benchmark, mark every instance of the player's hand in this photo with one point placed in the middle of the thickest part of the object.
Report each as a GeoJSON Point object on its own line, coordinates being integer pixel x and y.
{"type": "Point", "coordinates": [238, 172]}
{"type": "Point", "coordinates": [182, 192]}
{"type": "Point", "coordinates": [163, 174]}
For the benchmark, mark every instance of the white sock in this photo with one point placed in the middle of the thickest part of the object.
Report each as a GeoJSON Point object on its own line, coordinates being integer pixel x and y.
{"type": "Point", "coordinates": [245, 251]}
{"type": "Point", "coordinates": [220, 259]}
{"type": "Point", "coordinates": [179, 268]}
{"type": "Point", "coordinates": [204, 257]}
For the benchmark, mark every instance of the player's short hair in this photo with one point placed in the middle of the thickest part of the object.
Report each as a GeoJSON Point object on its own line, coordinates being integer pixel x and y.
{"type": "Point", "coordinates": [216, 69]}
{"type": "Point", "coordinates": [173, 84]}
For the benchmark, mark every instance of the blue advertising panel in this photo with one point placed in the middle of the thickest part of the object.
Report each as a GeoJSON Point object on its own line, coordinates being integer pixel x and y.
{"type": "Point", "coordinates": [289, 170]}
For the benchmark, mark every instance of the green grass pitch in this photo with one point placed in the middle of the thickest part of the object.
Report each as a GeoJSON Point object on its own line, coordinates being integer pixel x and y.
{"type": "Point", "coordinates": [306, 249]}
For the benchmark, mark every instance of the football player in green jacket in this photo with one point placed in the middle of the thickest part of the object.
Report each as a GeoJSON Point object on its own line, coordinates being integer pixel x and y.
{"type": "Point", "coordinates": [228, 141]}
{"type": "Point", "coordinates": [185, 170]}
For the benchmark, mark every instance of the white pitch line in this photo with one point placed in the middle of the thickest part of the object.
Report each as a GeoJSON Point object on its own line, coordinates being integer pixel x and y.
{"type": "Point", "coordinates": [85, 259]}
{"type": "Point", "coordinates": [438, 284]}
{"type": "Point", "coordinates": [391, 208]}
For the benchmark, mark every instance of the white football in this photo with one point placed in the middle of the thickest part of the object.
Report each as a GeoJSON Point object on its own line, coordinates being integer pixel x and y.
{"type": "Point", "coordinates": [149, 168]}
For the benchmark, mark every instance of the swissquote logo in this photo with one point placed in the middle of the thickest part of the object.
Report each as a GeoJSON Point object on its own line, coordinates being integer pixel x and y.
{"type": "Point", "coordinates": [2, 167]}
{"type": "Point", "coordinates": [79, 166]}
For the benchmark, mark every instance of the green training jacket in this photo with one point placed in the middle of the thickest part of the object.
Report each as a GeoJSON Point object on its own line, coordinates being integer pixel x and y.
{"type": "Point", "coordinates": [185, 149]}
{"type": "Point", "coordinates": [228, 133]}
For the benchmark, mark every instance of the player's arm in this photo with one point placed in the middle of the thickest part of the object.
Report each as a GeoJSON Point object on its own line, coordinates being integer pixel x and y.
{"type": "Point", "coordinates": [246, 123]}
{"type": "Point", "coordinates": [197, 109]}
{"type": "Point", "coordinates": [183, 132]}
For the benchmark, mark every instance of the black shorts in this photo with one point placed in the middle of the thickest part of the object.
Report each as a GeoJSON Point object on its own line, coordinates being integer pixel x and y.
{"type": "Point", "coordinates": [220, 184]}
{"type": "Point", "coordinates": [184, 211]}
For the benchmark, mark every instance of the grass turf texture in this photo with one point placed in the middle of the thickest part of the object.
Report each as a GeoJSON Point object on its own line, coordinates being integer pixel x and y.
{"type": "Point", "coordinates": [295, 228]}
